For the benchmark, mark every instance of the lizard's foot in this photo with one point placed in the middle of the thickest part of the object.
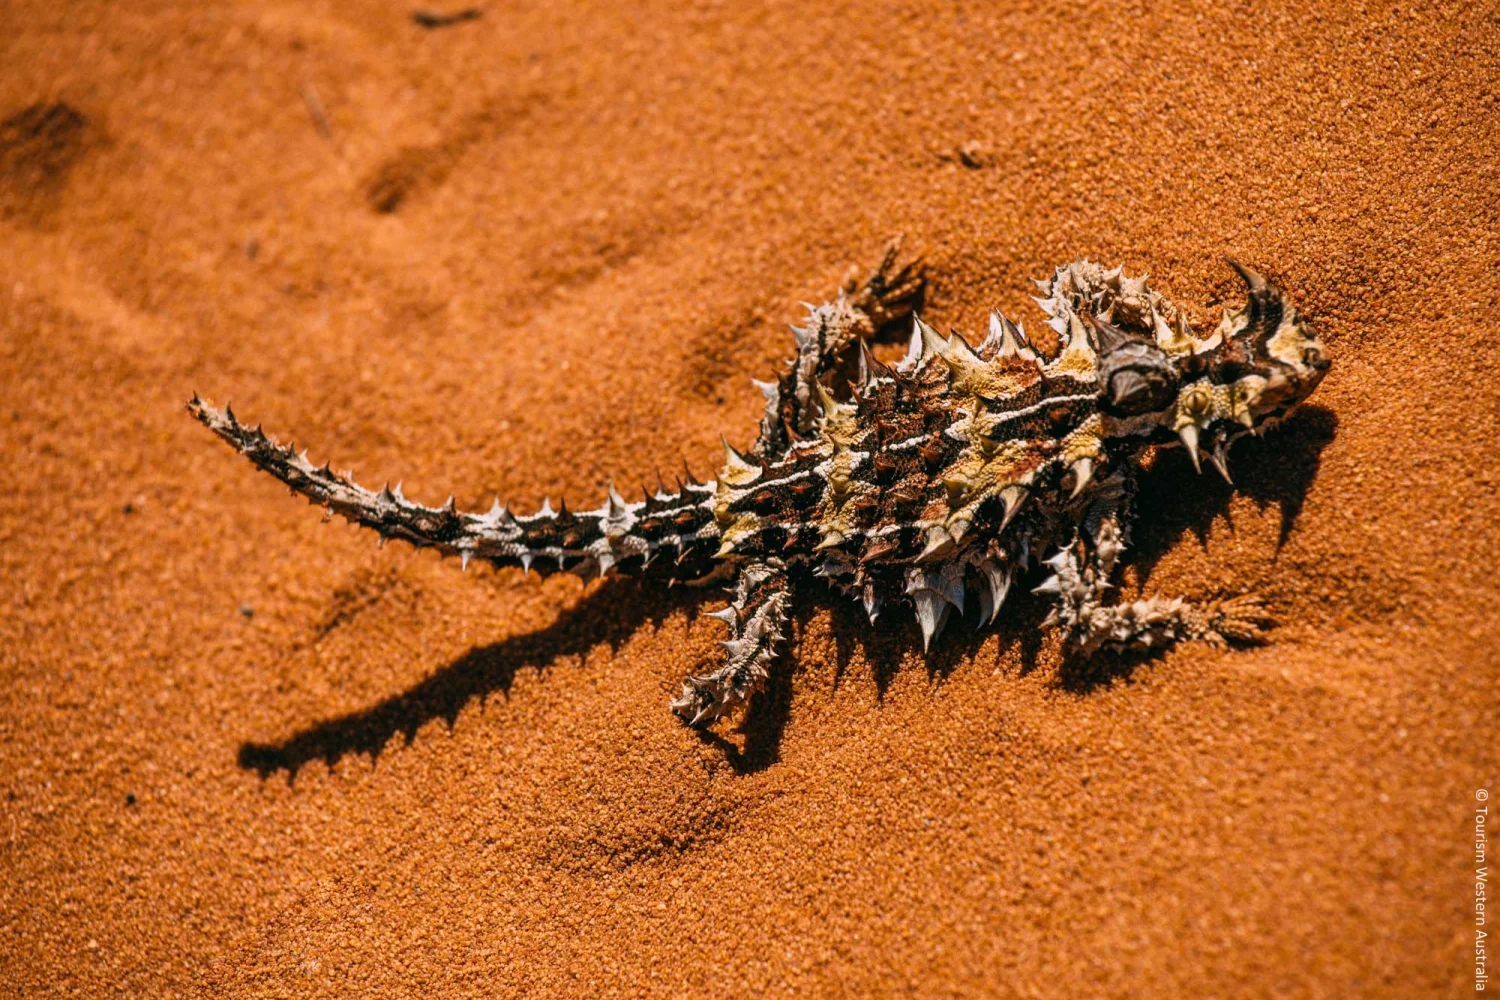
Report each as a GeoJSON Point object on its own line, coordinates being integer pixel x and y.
{"type": "Point", "coordinates": [1156, 623]}
{"type": "Point", "coordinates": [1089, 624]}
{"type": "Point", "coordinates": [890, 292]}
{"type": "Point", "coordinates": [708, 698]}
{"type": "Point", "coordinates": [1241, 619]}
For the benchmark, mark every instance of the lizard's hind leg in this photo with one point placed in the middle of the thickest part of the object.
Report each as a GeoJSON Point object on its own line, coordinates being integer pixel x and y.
{"type": "Point", "coordinates": [1081, 573]}
{"type": "Point", "coordinates": [757, 620]}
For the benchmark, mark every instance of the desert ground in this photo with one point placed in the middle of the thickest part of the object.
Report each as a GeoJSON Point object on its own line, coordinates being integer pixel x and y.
{"type": "Point", "coordinates": [244, 753]}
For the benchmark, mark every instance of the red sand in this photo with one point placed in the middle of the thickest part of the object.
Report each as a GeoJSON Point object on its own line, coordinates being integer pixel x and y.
{"type": "Point", "coordinates": [528, 252]}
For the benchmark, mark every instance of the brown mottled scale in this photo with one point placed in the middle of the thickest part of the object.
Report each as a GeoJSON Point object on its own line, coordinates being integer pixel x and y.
{"type": "Point", "coordinates": [947, 475]}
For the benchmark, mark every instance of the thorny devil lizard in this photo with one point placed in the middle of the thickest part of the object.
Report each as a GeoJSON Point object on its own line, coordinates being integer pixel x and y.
{"type": "Point", "coordinates": [949, 472]}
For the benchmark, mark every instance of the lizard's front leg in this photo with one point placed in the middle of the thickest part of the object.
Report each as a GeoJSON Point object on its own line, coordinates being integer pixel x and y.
{"type": "Point", "coordinates": [1081, 573]}
{"type": "Point", "coordinates": [862, 307]}
{"type": "Point", "coordinates": [757, 619]}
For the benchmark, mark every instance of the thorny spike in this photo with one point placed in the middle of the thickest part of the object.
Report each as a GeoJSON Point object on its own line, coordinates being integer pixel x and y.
{"type": "Point", "coordinates": [1219, 457]}
{"type": "Point", "coordinates": [1083, 471]}
{"type": "Point", "coordinates": [1023, 336]}
{"type": "Point", "coordinates": [1109, 338]}
{"type": "Point", "coordinates": [1189, 435]}
{"type": "Point", "coordinates": [997, 328]}
{"type": "Point", "coordinates": [1016, 330]}
{"type": "Point", "coordinates": [1263, 305]}
{"type": "Point", "coordinates": [952, 582]}
{"type": "Point", "coordinates": [617, 506]}
{"type": "Point", "coordinates": [738, 470]}
{"type": "Point", "coordinates": [958, 347]}
{"type": "Point", "coordinates": [933, 343]}
{"type": "Point", "coordinates": [1077, 336]}
{"type": "Point", "coordinates": [870, 367]}
{"type": "Point", "coordinates": [913, 347]}
{"type": "Point", "coordinates": [1012, 338]}
{"type": "Point", "coordinates": [1011, 497]}
{"type": "Point", "coordinates": [1254, 283]}
{"type": "Point", "coordinates": [1164, 335]}
{"type": "Point", "coordinates": [825, 398]}
{"type": "Point", "coordinates": [930, 607]}
{"type": "Point", "coordinates": [998, 581]}
{"type": "Point", "coordinates": [830, 540]}
{"type": "Point", "coordinates": [939, 544]}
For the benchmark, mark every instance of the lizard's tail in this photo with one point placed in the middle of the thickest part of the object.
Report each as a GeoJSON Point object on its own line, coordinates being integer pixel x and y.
{"type": "Point", "coordinates": [586, 542]}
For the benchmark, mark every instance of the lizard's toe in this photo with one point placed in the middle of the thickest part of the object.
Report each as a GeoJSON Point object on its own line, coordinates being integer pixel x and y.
{"type": "Point", "coordinates": [1242, 619]}
{"type": "Point", "coordinates": [891, 289]}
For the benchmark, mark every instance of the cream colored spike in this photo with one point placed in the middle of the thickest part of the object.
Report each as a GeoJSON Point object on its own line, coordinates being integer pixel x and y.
{"type": "Point", "coordinates": [1010, 337]}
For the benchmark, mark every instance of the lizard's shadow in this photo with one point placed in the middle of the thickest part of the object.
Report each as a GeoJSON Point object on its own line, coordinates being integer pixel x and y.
{"type": "Point", "coordinates": [610, 615]}
{"type": "Point", "coordinates": [1174, 499]}
{"type": "Point", "coordinates": [1279, 468]}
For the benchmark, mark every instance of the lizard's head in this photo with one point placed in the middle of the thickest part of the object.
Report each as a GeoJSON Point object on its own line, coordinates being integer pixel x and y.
{"type": "Point", "coordinates": [1248, 374]}
{"type": "Point", "coordinates": [1154, 376]}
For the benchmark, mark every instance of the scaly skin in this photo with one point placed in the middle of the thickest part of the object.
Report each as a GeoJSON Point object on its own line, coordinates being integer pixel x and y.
{"type": "Point", "coordinates": [952, 471]}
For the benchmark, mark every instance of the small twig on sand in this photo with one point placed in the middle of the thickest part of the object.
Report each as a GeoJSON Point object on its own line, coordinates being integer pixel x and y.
{"type": "Point", "coordinates": [315, 109]}
{"type": "Point", "coordinates": [428, 20]}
